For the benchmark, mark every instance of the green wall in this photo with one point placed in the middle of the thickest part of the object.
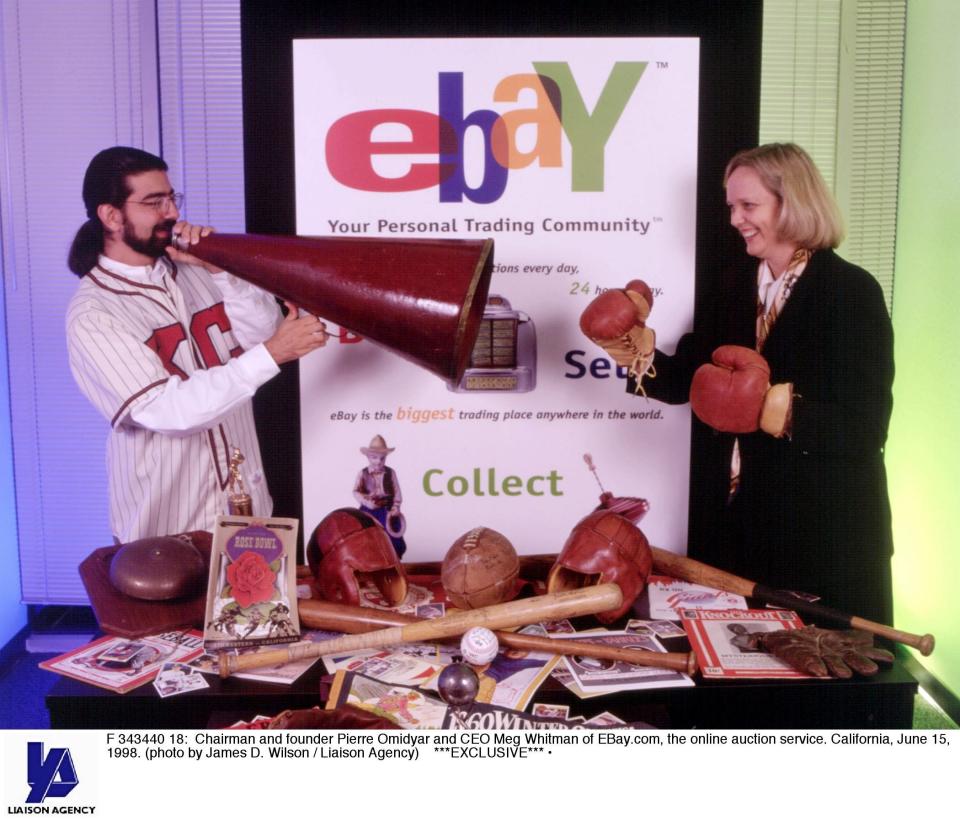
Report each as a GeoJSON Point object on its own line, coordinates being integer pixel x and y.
{"type": "Point", "coordinates": [923, 454]}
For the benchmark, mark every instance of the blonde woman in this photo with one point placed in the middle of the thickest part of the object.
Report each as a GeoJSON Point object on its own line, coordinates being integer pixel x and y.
{"type": "Point", "coordinates": [792, 363]}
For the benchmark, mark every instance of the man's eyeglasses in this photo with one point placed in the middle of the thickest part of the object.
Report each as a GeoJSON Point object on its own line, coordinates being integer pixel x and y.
{"type": "Point", "coordinates": [161, 201]}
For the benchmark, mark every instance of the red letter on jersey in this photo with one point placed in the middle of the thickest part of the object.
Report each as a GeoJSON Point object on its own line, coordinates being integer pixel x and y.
{"type": "Point", "coordinates": [164, 343]}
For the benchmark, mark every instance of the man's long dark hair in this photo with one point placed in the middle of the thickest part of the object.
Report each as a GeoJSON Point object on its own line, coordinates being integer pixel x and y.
{"type": "Point", "coordinates": [106, 182]}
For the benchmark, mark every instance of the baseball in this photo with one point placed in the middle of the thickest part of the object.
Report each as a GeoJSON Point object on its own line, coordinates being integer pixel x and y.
{"type": "Point", "coordinates": [479, 646]}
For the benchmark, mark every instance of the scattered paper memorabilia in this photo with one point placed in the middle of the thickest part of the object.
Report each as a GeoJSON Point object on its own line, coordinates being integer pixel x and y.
{"type": "Point", "coordinates": [176, 677]}
{"type": "Point", "coordinates": [122, 664]}
{"type": "Point", "coordinates": [400, 668]}
{"type": "Point", "coordinates": [725, 642]}
{"type": "Point", "coordinates": [661, 629]}
{"type": "Point", "coordinates": [512, 678]}
{"type": "Point", "coordinates": [251, 592]}
{"type": "Point", "coordinates": [410, 664]}
{"type": "Point", "coordinates": [411, 709]}
{"type": "Point", "coordinates": [433, 610]}
{"type": "Point", "coordinates": [417, 595]}
{"type": "Point", "coordinates": [609, 676]}
{"type": "Point", "coordinates": [558, 626]}
{"type": "Point", "coordinates": [283, 673]}
{"type": "Point", "coordinates": [406, 707]}
{"type": "Point", "coordinates": [667, 596]}
{"type": "Point", "coordinates": [562, 674]}
{"type": "Point", "coordinates": [561, 711]}
{"type": "Point", "coordinates": [606, 719]}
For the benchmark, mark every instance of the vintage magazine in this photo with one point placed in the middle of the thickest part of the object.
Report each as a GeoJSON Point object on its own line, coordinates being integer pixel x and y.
{"type": "Point", "coordinates": [726, 646]}
{"type": "Point", "coordinates": [592, 675]}
{"type": "Point", "coordinates": [122, 664]}
{"type": "Point", "coordinates": [252, 589]}
{"type": "Point", "coordinates": [668, 596]}
{"type": "Point", "coordinates": [410, 709]}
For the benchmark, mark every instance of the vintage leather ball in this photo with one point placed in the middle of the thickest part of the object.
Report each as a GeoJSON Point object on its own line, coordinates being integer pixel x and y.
{"type": "Point", "coordinates": [480, 568]}
{"type": "Point", "coordinates": [604, 547]}
{"type": "Point", "coordinates": [349, 547]}
{"type": "Point", "coordinates": [158, 568]}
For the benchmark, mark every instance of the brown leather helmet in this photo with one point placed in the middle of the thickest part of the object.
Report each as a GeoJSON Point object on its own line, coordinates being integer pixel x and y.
{"type": "Point", "coordinates": [604, 547]}
{"type": "Point", "coordinates": [349, 546]}
{"type": "Point", "coordinates": [158, 568]}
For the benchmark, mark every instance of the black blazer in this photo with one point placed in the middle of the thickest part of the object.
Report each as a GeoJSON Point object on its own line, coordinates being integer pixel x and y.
{"type": "Point", "coordinates": [812, 512]}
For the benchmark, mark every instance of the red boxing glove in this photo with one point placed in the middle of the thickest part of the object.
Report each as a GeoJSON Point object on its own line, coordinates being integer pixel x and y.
{"type": "Point", "coordinates": [616, 321]}
{"type": "Point", "coordinates": [733, 394]}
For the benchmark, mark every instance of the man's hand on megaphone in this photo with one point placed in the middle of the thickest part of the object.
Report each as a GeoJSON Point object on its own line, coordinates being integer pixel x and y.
{"type": "Point", "coordinates": [183, 235]}
{"type": "Point", "coordinates": [296, 336]}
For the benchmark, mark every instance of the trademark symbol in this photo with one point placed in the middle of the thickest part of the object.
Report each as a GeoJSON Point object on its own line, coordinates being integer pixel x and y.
{"type": "Point", "coordinates": [658, 219]}
{"type": "Point", "coordinates": [662, 64]}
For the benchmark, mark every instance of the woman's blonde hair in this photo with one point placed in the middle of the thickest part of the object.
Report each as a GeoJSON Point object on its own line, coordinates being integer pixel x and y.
{"type": "Point", "coordinates": [809, 215]}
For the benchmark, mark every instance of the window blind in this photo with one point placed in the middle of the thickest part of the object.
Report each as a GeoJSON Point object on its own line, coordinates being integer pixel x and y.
{"type": "Point", "coordinates": [76, 78]}
{"type": "Point", "coordinates": [868, 132]}
{"type": "Point", "coordinates": [201, 107]}
{"type": "Point", "coordinates": [832, 81]}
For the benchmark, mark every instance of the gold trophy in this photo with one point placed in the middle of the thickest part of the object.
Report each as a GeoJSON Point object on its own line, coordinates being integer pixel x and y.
{"type": "Point", "coordinates": [239, 502]}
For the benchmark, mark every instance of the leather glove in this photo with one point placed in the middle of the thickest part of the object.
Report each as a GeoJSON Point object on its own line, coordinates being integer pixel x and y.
{"type": "Point", "coordinates": [617, 322]}
{"type": "Point", "coordinates": [734, 395]}
{"type": "Point", "coordinates": [826, 653]}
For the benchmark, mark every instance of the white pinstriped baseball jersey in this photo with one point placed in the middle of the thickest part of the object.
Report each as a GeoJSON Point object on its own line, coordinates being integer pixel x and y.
{"type": "Point", "coordinates": [136, 336]}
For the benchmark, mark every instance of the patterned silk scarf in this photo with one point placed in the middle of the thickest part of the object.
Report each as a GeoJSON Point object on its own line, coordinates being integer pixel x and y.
{"type": "Point", "coordinates": [783, 287]}
{"type": "Point", "coordinates": [766, 317]}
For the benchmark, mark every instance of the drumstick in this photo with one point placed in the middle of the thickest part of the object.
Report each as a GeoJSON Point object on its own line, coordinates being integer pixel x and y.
{"type": "Point", "coordinates": [324, 615]}
{"type": "Point", "coordinates": [568, 604]}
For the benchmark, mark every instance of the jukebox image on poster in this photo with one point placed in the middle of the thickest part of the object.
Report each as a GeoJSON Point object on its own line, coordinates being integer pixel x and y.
{"type": "Point", "coordinates": [504, 356]}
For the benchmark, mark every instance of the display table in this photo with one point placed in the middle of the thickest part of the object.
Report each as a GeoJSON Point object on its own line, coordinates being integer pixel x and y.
{"type": "Point", "coordinates": [884, 701]}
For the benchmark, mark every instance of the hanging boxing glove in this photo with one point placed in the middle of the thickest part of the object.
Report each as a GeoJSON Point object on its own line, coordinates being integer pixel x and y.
{"type": "Point", "coordinates": [616, 321]}
{"type": "Point", "coordinates": [734, 394]}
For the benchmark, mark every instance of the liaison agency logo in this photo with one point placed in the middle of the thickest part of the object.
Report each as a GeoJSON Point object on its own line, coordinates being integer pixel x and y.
{"type": "Point", "coordinates": [49, 776]}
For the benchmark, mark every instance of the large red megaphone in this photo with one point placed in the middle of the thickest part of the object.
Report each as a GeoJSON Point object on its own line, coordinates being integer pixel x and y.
{"type": "Point", "coordinates": [421, 298]}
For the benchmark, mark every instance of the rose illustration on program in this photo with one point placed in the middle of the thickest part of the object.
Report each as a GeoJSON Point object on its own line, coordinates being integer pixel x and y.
{"type": "Point", "coordinates": [251, 579]}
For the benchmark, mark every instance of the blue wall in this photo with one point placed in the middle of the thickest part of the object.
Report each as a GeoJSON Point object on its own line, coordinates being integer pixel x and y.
{"type": "Point", "coordinates": [13, 615]}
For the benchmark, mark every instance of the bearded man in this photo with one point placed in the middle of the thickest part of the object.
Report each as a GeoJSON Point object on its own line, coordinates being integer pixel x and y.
{"type": "Point", "coordinates": [169, 350]}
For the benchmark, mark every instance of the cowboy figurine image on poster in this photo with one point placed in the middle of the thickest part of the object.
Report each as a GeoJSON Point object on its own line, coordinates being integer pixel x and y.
{"type": "Point", "coordinates": [377, 491]}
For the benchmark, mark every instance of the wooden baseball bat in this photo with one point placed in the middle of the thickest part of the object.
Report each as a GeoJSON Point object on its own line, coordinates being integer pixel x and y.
{"type": "Point", "coordinates": [690, 570]}
{"type": "Point", "coordinates": [324, 615]}
{"type": "Point", "coordinates": [571, 603]}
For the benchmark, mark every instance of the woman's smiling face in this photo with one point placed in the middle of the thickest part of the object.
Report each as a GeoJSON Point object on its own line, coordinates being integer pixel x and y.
{"type": "Point", "coordinates": [754, 213]}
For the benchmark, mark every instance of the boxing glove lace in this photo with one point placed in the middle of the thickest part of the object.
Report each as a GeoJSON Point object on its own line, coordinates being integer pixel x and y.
{"type": "Point", "coordinates": [616, 321]}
